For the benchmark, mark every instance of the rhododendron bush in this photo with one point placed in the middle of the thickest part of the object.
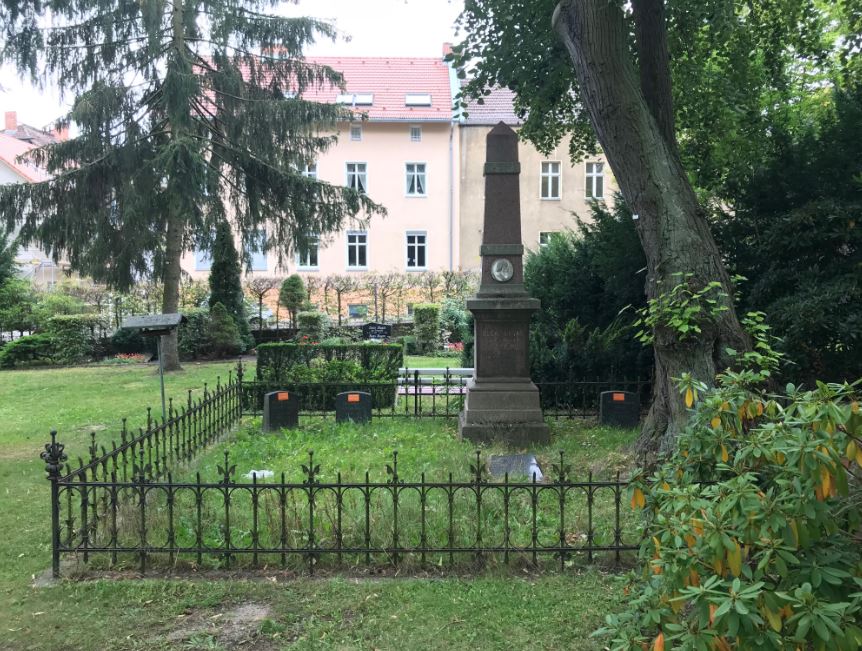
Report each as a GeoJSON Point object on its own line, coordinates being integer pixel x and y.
{"type": "Point", "coordinates": [752, 529]}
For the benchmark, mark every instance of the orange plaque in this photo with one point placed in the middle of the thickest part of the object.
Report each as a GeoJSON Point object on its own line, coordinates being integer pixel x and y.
{"type": "Point", "coordinates": [283, 395]}
{"type": "Point", "coordinates": [352, 397]}
{"type": "Point", "coordinates": [619, 397]}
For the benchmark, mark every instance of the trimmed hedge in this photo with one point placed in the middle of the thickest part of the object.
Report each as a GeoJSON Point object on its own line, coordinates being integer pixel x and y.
{"type": "Point", "coordinates": [379, 362]}
{"type": "Point", "coordinates": [27, 350]}
{"type": "Point", "coordinates": [76, 336]}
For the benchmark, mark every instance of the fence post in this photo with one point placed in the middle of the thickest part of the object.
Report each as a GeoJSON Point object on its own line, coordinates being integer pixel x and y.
{"type": "Point", "coordinates": [53, 456]}
{"type": "Point", "coordinates": [239, 373]}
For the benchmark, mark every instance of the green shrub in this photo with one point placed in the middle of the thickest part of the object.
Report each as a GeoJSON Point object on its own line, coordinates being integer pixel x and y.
{"type": "Point", "coordinates": [752, 527]}
{"type": "Point", "coordinates": [453, 319]}
{"type": "Point", "coordinates": [311, 326]}
{"type": "Point", "coordinates": [409, 344]}
{"type": "Point", "coordinates": [380, 362]}
{"type": "Point", "coordinates": [292, 295]}
{"type": "Point", "coordinates": [224, 334]}
{"type": "Point", "coordinates": [194, 335]}
{"type": "Point", "coordinates": [426, 327]}
{"type": "Point", "coordinates": [55, 303]}
{"type": "Point", "coordinates": [27, 350]}
{"type": "Point", "coordinates": [76, 336]}
{"type": "Point", "coordinates": [126, 341]}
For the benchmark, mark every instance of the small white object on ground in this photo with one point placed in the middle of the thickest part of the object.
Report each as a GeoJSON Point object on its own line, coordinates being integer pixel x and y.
{"type": "Point", "coordinates": [260, 474]}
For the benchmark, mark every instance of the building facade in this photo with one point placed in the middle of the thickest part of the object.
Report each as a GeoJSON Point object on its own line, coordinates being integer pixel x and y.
{"type": "Point", "coordinates": [552, 190]}
{"type": "Point", "coordinates": [403, 154]}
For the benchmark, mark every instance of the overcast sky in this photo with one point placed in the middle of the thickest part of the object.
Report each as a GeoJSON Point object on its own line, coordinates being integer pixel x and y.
{"type": "Point", "coordinates": [375, 27]}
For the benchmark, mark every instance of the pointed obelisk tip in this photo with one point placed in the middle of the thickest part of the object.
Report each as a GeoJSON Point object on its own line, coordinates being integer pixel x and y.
{"type": "Point", "coordinates": [502, 144]}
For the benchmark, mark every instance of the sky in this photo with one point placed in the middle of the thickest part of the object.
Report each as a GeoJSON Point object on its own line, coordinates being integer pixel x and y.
{"type": "Point", "coordinates": [375, 27]}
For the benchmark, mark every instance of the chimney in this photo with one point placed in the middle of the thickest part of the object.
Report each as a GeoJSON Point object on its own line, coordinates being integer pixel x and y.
{"type": "Point", "coordinates": [447, 49]}
{"type": "Point", "coordinates": [11, 121]}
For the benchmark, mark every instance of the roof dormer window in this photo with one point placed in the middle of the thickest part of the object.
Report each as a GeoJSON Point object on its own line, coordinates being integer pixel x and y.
{"type": "Point", "coordinates": [355, 99]}
{"type": "Point", "coordinates": [417, 99]}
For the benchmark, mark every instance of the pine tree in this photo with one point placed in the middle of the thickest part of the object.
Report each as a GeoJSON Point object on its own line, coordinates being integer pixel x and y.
{"type": "Point", "coordinates": [8, 251]}
{"type": "Point", "coordinates": [224, 334]}
{"type": "Point", "coordinates": [225, 280]}
{"type": "Point", "coordinates": [189, 113]}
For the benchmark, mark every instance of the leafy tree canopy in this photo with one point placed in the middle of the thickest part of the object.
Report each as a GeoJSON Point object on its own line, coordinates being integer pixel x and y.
{"type": "Point", "coordinates": [738, 68]}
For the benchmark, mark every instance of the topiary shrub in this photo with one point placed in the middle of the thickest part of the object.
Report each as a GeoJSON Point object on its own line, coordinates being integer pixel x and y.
{"type": "Point", "coordinates": [753, 527]}
{"type": "Point", "coordinates": [224, 334]}
{"type": "Point", "coordinates": [194, 335]}
{"type": "Point", "coordinates": [426, 327]}
{"type": "Point", "coordinates": [28, 350]}
{"type": "Point", "coordinates": [453, 319]}
{"type": "Point", "coordinates": [311, 326]}
{"type": "Point", "coordinates": [75, 336]}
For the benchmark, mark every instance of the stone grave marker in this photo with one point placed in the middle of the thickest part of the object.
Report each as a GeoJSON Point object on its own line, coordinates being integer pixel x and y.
{"type": "Point", "coordinates": [280, 410]}
{"type": "Point", "coordinates": [353, 406]}
{"type": "Point", "coordinates": [619, 408]}
{"type": "Point", "coordinates": [376, 331]}
{"type": "Point", "coordinates": [517, 465]}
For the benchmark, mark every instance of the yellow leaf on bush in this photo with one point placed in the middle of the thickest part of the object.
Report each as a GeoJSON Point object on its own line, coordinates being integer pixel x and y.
{"type": "Point", "coordinates": [715, 422]}
{"type": "Point", "coordinates": [718, 567]}
{"type": "Point", "coordinates": [854, 407]}
{"type": "Point", "coordinates": [725, 406]}
{"type": "Point", "coordinates": [638, 498]}
{"type": "Point", "coordinates": [859, 456]}
{"type": "Point", "coordinates": [759, 408]}
{"type": "Point", "coordinates": [774, 619]}
{"type": "Point", "coordinates": [825, 482]}
{"type": "Point", "coordinates": [658, 644]}
{"type": "Point", "coordinates": [794, 528]}
{"type": "Point", "coordinates": [734, 559]}
{"type": "Point", "coordinates": [694, 578]}
{"type": "Point", "coordinates": [689, 397]}
{"type": "Point", "coordinates": [712, 609]}
{"type": "Point", "coordinates": [724, 455]}
{"type": "Point", "coordinates": [690, 540]}
{"type": "Point", "coordinates": [851, 450]}
{"type": "Point", "coordinates": [780, 458]}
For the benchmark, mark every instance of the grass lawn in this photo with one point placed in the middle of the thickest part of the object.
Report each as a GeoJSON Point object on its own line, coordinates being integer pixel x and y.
{"type": "Point", "coordinates": [421, 361]}
{"type": "Point", "coordinates": [497, 610]}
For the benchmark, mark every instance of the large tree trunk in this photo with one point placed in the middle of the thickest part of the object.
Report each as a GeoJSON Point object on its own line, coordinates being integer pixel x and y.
{"type": "Point", "coordinates": [171, 297]}
{"type": "Point", "coordinates": [632, 115]}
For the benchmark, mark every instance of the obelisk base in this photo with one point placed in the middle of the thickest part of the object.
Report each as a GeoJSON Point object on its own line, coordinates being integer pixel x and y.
{"type": "Point", "coordinates": [504, 412]}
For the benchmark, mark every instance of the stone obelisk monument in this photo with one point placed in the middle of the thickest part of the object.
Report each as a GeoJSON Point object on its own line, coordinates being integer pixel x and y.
{"type": "Point", "coordinates": [502, 403]}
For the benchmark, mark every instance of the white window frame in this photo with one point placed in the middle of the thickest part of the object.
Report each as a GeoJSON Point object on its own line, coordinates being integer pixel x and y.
{"type": "Point", "coordinates": [415, 174]}
{"type": "Point", "coordinates": [363, 174]}
{"type": "Point", "coordinates": [356, 244]}
{"type": "Point", "coordinates": [356, 132]}
{"type": "Point", "coordinates": [301, 265]}
{"type": "Point", "coordinates": [203, 260]}
{"type": "Point", "coordinates": [415, 133]}
{"type": "Point", "coordinates": [251, 253]}
{"type": "Point", "coordinates": [407, 246]}
{"type": "Point", "coordinates": [590, 176]}
{"type": "Point", "coordinates": [550, 175]}
{"type": "Point", "coordinates": [310, 171]}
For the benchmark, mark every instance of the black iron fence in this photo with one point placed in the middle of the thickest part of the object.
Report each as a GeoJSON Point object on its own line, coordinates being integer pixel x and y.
{"type": "Point", "coordinates": [417, 395]}
{"type": "Point", "coordinates": [328, 522]}
{"type": "Point", "coordinates": [79, 509]}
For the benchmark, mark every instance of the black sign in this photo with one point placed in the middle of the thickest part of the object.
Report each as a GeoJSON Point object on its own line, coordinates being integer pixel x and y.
{"type": "Point", "coordinates": [353, 406]}
{"type": "Point", "coordinates": [376, 331]}
{"type": "Point", "coordinates": [280, 410]}
{"type": "Point", "coordinates": [619, 408]}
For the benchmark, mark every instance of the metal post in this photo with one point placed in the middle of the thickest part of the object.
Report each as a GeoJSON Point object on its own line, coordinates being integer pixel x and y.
{"type": "Point", "coordinates": [53, 456]}
{"type": "Point", "coordinates": [162, 377]}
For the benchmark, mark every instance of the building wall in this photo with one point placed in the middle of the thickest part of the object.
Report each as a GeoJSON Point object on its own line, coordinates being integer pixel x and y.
{"type": "Point", "coordinates": [537, 215]}
{"type": "Point", "coordinates": [386, 148]}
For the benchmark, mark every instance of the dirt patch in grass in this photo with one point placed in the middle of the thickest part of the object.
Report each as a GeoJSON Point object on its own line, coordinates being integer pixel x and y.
{"type": "Point", "coordinates": [237, 628]}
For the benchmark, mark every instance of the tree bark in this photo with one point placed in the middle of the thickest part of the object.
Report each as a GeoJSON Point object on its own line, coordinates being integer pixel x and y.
{"type": "Point", "coordinates": [632, 115]}
{"type": "Point", "coordinates": [171, 298]}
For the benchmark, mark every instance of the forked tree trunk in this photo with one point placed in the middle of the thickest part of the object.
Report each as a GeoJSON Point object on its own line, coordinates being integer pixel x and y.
{"type": "Point", "coordinates": [632, 115]}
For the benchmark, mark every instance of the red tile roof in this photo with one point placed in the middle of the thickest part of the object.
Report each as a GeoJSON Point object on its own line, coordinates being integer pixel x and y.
{"type": "Point", "coordinates": [10, 149]}
{"type": "Point", "coordinates": [389, 80]}
{"type": "Point", "coordinates": [496, 107]}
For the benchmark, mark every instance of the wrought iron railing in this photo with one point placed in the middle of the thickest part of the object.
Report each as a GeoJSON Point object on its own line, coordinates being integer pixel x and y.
{"type": "Point", "coordinates": [418, 395]}
{"type": "Point", "coordinates": [143, 456]}
{"type": "Point", "coordinates": [314, 521]}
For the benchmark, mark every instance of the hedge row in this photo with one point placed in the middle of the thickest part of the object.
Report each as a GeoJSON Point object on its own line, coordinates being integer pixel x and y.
{"type": "Point", "coordinates": [282, 362]}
